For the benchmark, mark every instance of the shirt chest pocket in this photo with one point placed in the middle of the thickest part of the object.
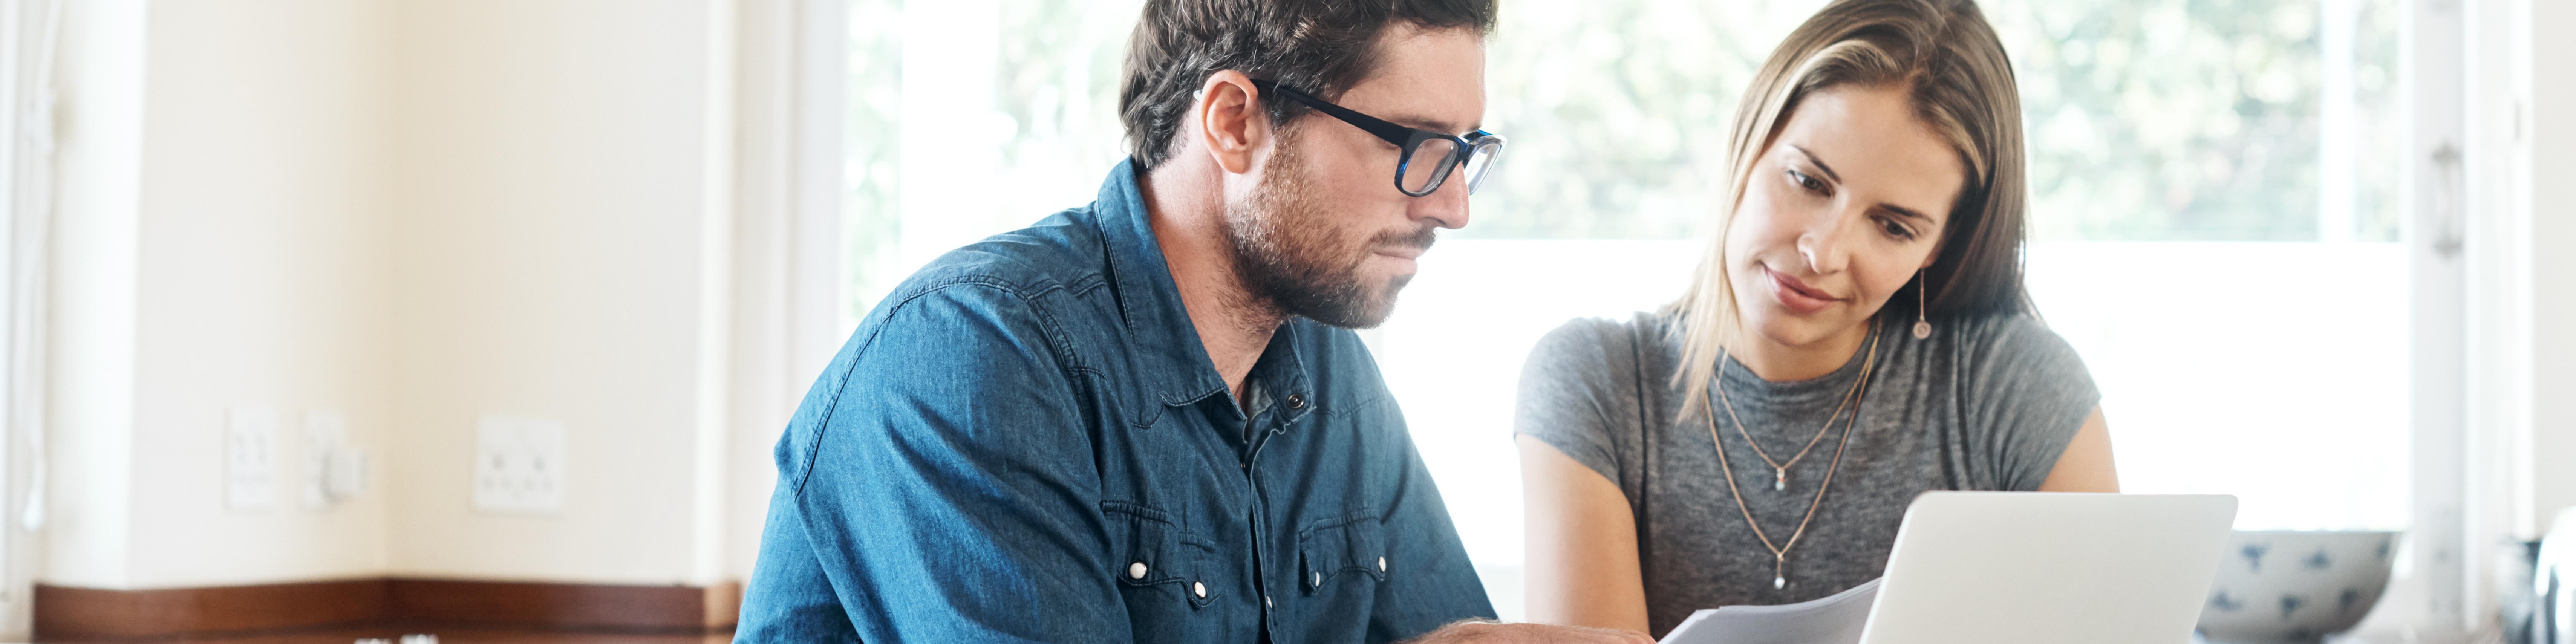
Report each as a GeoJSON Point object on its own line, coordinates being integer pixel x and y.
{"type": "Point", "coordinates": [1161, 569]}
{"type": "Point", "coordinates": [1343, 556]}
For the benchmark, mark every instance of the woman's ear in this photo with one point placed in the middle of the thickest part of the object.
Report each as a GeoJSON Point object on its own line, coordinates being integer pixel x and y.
{"type": "Point", "coordinates": [1232, 124]}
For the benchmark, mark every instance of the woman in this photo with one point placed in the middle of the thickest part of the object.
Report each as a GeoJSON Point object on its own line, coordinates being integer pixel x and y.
{"type": "Point", "coordinates": [1856, 334]}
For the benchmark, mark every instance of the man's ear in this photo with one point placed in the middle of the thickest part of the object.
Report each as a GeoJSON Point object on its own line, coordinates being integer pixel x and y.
{"type": "Point", "coordinates": [1232, 123]}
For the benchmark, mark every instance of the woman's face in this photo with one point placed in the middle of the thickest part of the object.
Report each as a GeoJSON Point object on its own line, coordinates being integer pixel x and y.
{"type": "Point", "coordinates": [1839, 212]}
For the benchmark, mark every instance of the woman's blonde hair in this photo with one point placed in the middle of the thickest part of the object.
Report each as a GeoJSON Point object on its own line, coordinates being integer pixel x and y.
{"type": "Point", "coordinates": [1947, 60]}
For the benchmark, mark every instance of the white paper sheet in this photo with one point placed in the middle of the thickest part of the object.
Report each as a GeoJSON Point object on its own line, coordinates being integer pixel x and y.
{"type": "Point", "coordinates": [1835, 619]}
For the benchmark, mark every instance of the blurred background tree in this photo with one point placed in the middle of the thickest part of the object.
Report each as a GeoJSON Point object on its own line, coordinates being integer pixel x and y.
{"type": "Point", "coordinates": [2148, 120]}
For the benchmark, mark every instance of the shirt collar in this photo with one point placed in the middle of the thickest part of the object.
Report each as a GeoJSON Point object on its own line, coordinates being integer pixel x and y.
{"type": "Point", "coordinates": [1171, 360]}
{"type": "Point", "coordinates": [1174, 364]}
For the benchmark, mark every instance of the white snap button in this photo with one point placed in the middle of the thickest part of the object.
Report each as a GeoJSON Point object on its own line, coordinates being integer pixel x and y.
{"type": "Point", "coordinates": [1319, 579]}
{"type": "Point", "coordinates": [1381, 564]}
{"type": "Point", "coordinates": [1136, 570]}
{"type": "Point", "coordinates": [1199, 589]}
{"type": "Point", "coordinates": [1265, 601]}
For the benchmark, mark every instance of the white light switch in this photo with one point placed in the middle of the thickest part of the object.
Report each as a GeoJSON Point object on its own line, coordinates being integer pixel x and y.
{"type": "Point", "coordinates": [250, 458]}
{"type": "Point", "coordinates": [518, 465]}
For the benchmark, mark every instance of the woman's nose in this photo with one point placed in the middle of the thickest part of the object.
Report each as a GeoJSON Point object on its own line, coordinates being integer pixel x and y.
{"type": "Point", "coordinates": [1825, 245]}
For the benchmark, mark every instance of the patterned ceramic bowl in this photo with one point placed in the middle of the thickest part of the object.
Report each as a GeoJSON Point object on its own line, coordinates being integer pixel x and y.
{"type": "Point", "coordinates": [2296, 587]}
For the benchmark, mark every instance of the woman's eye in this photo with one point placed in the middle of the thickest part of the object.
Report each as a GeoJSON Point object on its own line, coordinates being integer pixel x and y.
{"type": "Point", "coordinates": [1896, 230]}
{"type": "Point", "coordinates": [1804, 181]}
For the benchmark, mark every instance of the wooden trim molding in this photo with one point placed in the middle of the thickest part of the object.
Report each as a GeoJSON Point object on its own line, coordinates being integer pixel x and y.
{"type": "Point", "coordinates": [686, 609]}
{"type": "Point", "coordinates": [90, 614]}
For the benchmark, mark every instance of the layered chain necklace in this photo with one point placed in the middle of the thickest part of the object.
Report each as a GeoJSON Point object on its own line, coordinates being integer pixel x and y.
{"type": "Point", "coordinates": [1780, 470]}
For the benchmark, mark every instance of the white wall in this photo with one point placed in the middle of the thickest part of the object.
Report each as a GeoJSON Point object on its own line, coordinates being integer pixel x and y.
{"type": "Point", "coordinates": [263, 280]}
{"type": "Point", "coordinates": [552, 224]}
{"type": "Point", "coordinates": [411, 212]}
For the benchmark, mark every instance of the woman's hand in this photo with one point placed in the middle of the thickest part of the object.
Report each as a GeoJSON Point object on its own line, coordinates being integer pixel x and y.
{"type": "Point", "coordinates": [1482, 632]}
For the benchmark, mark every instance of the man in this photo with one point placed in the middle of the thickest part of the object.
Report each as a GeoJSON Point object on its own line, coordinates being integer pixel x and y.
{"type": "Point", "coordinates": [1138, 421]}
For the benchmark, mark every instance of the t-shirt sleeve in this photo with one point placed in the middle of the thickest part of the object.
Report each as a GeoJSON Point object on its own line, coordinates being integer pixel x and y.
{"type": "Point", "coordinates": [2028, 393]}
{"type": "Point", "coordinates": [1578, 394]}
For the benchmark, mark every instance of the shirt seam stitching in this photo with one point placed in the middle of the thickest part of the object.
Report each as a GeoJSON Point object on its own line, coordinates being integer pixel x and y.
{"type": "Point", "coordinates": [1047, 326]}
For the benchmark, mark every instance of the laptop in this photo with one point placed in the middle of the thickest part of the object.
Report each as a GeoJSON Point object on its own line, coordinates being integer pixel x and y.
{"type": "Point", "coordinates": [2014, 568]}
{"type": "Point", "coordinates": [2037, 567]}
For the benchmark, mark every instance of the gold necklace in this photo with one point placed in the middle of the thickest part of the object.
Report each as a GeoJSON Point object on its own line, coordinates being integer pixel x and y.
{"type": "Point", "coordinates": [1780, 553]}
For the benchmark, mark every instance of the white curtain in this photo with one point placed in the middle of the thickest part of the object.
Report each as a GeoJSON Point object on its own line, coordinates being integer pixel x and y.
{"type": "Point", "coordinates": [29, 33]}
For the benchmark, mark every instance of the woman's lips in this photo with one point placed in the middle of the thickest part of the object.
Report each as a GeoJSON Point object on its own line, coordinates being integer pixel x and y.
{"type": "Point", "coordinates": [1797, 296]}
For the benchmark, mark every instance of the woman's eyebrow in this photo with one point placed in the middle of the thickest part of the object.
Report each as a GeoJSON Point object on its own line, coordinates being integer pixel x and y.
{"type": "Point", "coordinates": [1820, 163]}
{"type": "Point", "coordinates": [1900, 211]}
{"type": "Point", "coordinates": [1910, 213]}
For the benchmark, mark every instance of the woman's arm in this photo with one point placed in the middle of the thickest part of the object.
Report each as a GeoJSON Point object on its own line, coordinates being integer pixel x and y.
{"type": "Point", "coordinates": [1582, 561]}
{"type": "Point", "coordinates": [2084, 467]}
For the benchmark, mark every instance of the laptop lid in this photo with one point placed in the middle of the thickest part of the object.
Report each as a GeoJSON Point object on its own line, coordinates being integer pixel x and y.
{"type": "Point", "coordinates": [2050, 568]}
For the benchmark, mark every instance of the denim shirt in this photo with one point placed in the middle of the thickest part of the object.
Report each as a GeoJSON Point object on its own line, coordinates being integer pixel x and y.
{"type": "Point", "coordinates": [1026, 442]}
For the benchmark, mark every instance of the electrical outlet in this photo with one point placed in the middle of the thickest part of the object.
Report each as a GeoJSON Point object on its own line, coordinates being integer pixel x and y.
{"type": "Point", "coordinates": [250, 458]}
{"type": "Point", "coordinates": [518, 465]}
{"type": "Point", "coordinates": [334, 472]}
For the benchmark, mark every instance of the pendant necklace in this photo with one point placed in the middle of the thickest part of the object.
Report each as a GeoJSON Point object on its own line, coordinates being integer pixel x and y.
{"type": "Point", "coordinates": [1780, 469]}
{"type": "Point", "coordinates": [1780, 552]}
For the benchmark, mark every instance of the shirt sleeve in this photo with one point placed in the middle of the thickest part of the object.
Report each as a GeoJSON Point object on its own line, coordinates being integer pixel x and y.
{"type": "Point", "coordinates": [1578, 394]}
{"type": "Point", "coordinates": [947, 492]}
{"type": "Point", "coordinates": [2028, 393]}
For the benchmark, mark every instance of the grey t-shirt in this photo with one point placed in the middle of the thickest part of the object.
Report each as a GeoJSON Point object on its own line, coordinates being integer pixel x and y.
{"type": "Point", "coordinates": [1984, 404]}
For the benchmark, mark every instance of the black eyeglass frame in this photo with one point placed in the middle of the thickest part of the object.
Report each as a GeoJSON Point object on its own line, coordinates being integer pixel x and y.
{"type": "Point", "coordinates": [1408, 139]}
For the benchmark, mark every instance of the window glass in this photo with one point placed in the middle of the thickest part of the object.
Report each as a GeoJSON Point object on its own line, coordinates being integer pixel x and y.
{"type": "Point", "coordinates": [2201, 172]}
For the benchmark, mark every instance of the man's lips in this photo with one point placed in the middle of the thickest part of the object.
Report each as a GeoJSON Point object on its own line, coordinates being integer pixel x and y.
{"type": "Point", "coordinates": [1401, 252]}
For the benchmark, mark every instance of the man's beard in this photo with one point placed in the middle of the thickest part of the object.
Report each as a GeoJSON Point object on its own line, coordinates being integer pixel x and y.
{"type": "Point", "coordinates": [1291, 257]}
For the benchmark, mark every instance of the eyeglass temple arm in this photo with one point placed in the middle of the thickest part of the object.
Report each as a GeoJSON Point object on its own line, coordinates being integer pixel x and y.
{"type": "Point", "coordinates": [1396, 134]}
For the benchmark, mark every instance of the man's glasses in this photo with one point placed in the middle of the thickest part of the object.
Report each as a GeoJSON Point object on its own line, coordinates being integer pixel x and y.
{"type": "Point", "coordinates": [1428, 156]}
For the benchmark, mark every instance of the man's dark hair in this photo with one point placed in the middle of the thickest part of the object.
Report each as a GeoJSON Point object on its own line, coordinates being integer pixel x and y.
{"type": "Point", "coordinates": [1320, 46]}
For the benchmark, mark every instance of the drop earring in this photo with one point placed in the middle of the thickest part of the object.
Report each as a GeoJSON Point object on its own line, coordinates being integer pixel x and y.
{"type": "Point", "coordinates": [1922, 324]}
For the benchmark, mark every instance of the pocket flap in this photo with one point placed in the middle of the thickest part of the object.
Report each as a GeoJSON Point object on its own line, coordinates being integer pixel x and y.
{"type": "Point", "coordinates": [1353, 543]}
{"type": "Point", "coordinates": [1151, 549]}
{"type": "Point", "coordinates": [1146, 543]}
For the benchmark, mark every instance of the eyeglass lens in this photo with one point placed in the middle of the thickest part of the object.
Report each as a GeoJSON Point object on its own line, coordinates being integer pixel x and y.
{"type": "Point", "coordinates": [1434, 159]}
{"type": "Point", "coordinates": [1430, 162]}
{"type": "Point", "coordinates": [1480, 161]}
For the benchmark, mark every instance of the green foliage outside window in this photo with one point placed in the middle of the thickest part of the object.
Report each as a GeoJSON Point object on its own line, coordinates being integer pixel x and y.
{"type": "Point", "coordinates": [2148, 119]}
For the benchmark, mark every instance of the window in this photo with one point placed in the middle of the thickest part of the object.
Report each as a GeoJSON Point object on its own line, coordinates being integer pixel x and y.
{"type": "Point", "coordinates": [2199, 170]}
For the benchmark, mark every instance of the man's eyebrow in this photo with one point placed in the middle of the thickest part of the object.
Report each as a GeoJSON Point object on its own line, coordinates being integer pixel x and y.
{"type": "Point", "coordinates": [1820, 164]}
{"type": "Point", "coordinates": [1427, 123]}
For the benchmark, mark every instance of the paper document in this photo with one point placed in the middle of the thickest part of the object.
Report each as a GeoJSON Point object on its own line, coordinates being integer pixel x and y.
{"type": "Point", "coordinates": [1836, 619]}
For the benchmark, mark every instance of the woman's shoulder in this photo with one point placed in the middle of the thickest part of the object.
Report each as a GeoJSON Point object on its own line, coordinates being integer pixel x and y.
{"type": "Point", "coordinates": [2011, 342]}
{"type": "Point", "coordinates": [1600, 348]}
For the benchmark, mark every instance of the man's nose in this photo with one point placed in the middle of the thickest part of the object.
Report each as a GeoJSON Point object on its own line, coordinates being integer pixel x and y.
{"type": "Point", "coordinates": [1446, 205]}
